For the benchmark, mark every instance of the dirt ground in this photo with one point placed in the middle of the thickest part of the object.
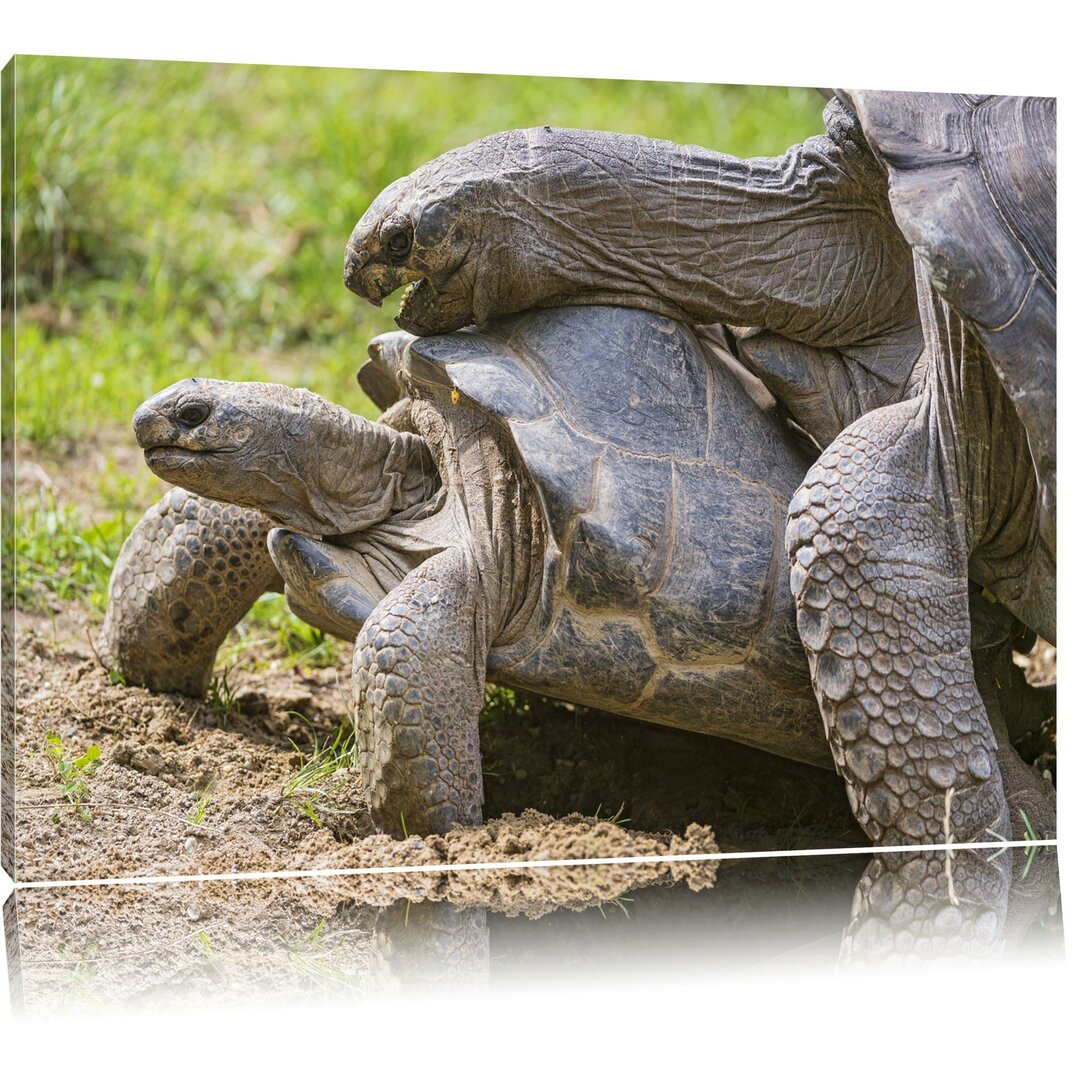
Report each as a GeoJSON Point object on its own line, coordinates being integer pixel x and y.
{"type": "Point", "coordinates": [554, 778]}
{"type": "Point", "coordinates": [221, 942]}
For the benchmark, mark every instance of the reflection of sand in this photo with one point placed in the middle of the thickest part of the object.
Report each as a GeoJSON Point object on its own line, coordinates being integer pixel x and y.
{"type": "Point", "coordinates": [383, 934]}
{"type": "Point", "coordinates": [97, 945]}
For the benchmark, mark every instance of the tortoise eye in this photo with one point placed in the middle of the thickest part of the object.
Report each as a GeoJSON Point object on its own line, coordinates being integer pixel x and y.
{"type": "Point", "coordinates": [398, 243]}
{"type": "Point", "coordinates": [193, 414]}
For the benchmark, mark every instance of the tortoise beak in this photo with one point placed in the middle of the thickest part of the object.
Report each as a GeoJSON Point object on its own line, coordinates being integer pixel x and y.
{"type": "Point", "coordinates": [359, 282]}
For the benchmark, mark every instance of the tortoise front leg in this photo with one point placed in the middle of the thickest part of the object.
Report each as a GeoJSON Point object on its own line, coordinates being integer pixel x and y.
{"type": "Point", "coordinates": [328, 586]}
{"type": "Point", "coordinates": [418, 685]}
{"type": "Point", "coordinates": [927, 905]}
{"type": "Point", "coordinates": [879, 576]}
{"type": "Point", "coordinates": [185, 576]}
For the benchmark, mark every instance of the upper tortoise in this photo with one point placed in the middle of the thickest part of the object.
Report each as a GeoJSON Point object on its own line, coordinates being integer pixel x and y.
{"type": "Point", "coordinates": [893, 283]}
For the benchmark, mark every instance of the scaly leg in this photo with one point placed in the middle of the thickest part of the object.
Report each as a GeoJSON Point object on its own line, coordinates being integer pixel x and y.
{"type": "Point", "coordinates": [185, 576]}
{"type": "Point", "coordinates": [879, 576]}
{"type": "Point", "coordinates": [418, 684]}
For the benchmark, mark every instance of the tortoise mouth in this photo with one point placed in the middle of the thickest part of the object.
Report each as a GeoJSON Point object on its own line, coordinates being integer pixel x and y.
{"type": "Point", "coordinates": [417, 307]}
{"type": "Point", "coordinates": [171, 455]}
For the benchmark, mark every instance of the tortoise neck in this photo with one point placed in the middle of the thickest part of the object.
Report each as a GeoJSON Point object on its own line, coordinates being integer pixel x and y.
{"type": "Point", "coordinates": [490, 508]}
{"type": "Point", "coordinates": [705, 237]}
{"type": "Point", "coordinates": [366, 472]}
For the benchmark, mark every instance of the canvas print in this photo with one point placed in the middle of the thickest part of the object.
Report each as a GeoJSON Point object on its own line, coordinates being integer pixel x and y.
{"type": "Point", "coordinates": [411, 468]}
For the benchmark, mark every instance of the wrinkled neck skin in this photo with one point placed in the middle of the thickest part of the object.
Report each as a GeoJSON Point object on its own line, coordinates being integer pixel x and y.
{"type": "Point", "coordinates": [329, 473]}
{"type": "Point", "coordinates": [486, 505]}
{"type": "Point", "coordinates": [803, 244]}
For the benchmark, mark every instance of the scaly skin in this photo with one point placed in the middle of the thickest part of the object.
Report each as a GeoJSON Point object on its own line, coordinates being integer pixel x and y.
{"type": "Point", "coordinates": [326, 585]}
{"type": "Point", "coordinates": [959, 905]}
{"type": "Point", "coordinates": [185, 576]}
{"type": "Point", "coordinates": [418, 684]}
{"type": "Point", "coordinates": [928, 905]}
{"type": "Point", "coordinates": [879, 575]}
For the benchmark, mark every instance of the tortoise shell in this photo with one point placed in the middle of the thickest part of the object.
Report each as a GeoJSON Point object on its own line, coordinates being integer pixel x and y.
{"type": "Point", "coordinates": [664, 489]}
{"type": "Point", "coordinates": [973, 188]}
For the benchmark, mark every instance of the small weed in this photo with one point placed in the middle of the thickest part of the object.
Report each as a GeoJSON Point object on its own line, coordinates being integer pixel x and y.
{"type": "Point", "coordinates": [1030, 850]}
{"type": "Point", "coordinates": [80, 988]}
{"type": "Point", "coordinates": [117, 677]}
{"type": "Point", "coordinates": [323, 959]}
{"type": "Point", "coordinates": [615, 818]}
{"type": "Point", "coordinates": [312, 787]}
{"type": "Point", "coordinates": [206, 947]}
{"type": "Point", "coordinates": [203, 802]}
{"type": "Point", "coordinates": [619, 902]}
{"type": "Point", "coordinates": [500, 702]}
{"type": "Point", "coordinates": [74, 775]}
{"type": "Point", "coordinates": [220, 698]}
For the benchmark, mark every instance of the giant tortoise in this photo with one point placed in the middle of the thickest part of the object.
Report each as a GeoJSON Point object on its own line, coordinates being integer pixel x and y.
{"type": "Point", "coordinates": [532, 511]}
{"type": "Point", "coordinates": [893, 283]}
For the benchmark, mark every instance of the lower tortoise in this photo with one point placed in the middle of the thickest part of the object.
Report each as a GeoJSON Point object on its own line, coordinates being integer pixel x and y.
{"type": "Point", "coordinates": [530, 509]}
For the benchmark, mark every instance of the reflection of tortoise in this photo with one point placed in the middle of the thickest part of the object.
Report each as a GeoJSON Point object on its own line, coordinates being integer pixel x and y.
{"type": "Point", "coordinates": [536, 510]}
{"type": "Point", "coordinates": [893, 282]}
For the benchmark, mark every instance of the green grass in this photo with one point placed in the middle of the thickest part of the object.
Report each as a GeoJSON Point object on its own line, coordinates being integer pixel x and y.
{"type": "Point", "coordinates": [270, 622]}
{"type": "Point", "coordinates": [314, 787]}
{"type": "Point", "coordinates": [57, 553]}
{"type": "Point", "coordinates": [203, 801]}
{"type": "Point", "coordinates": [220, 698]}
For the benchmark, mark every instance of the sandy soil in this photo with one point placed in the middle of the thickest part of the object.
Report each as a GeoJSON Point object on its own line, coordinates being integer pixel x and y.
{"type": "Point", "coordinates": [160, 753]}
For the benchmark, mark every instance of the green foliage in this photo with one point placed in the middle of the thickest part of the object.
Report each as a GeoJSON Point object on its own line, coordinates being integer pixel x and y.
{"type": "Point", "coordinates": [615, 817]}
{"type": "Point", "coordinates": [56, 552]}
{"type": "Point", "coordinates": [314, 787]}
{"type": "Point", "coordinates": [74, 774]}
{"type": "Point", "coordinates": [203, 801]}
{"type": "Point", "coordinates": [324, 959]}
{"type": "Point", "coordinates": [176, 219]}
{"type": "Point", "coordinates": [220, 698]}
{"type": "Point", "coordinates": [271, 623]}
{"type": "Point", "coordinates": [1030, 850]}
{"type": "Point", "coordinates": [500, 703]}
{"type": "Point", "coordinates": [619, 902]}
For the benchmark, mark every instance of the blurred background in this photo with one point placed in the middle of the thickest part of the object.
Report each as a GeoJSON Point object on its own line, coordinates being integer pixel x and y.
{"type": "Point", "coordinates": [176, 219]}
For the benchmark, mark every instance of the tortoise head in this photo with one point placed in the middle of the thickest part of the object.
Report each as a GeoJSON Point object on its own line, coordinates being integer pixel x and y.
{"type": "Point", "coordinates": [304, 462]}
{"type": "Point", "coordinates": [419, 232]}
{"type": "Point", "coordinates": [467, 233]}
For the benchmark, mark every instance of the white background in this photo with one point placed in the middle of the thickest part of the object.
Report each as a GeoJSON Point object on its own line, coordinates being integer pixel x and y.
{"type": "Point", "coordinates": [986, 1025]}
